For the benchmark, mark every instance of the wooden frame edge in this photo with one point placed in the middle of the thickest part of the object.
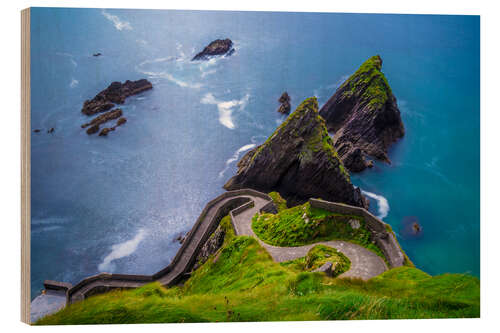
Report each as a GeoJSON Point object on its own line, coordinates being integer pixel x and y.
{"type": "Point", "coordinates": [25, 167]}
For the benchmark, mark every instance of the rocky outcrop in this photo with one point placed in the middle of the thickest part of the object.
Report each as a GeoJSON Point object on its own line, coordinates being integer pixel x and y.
{"type": "Point", "coordinates": [212, 245]}
{"type": "Point", "coordinates": [116, 93]}
{"type": "Point", "coordinates": [105, 131]}
{"type": "Point", "coordinates": [215, 48]}
{"type": "Point", "coordinates": [285, 106]}
{"type": "Point", "coordinates": [364, 115]}
{"type": "Point", "coordinates": [299, 162]}
{"type": "Point", "coordinates": [110, 115]}
{"type": "Point", "coordinates": [326, 268]}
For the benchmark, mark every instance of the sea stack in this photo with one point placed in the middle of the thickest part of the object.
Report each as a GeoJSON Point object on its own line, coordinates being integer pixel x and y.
{"type": "Point", "coordinates": [299, 161]}
{"type": "Point", "coordinates": [216, 48]}
{"type": "Point", "coordinates": [284, 101]}
{"type": "Point", "coordinates": [363, 115]}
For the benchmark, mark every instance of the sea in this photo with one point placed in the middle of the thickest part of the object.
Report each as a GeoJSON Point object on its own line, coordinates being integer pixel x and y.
{"type": "Point", "coordinates": [116, 204]}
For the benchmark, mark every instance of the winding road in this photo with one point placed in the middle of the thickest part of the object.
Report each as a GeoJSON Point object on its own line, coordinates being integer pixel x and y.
{"type": "Point", "coordinates": [365, 264]}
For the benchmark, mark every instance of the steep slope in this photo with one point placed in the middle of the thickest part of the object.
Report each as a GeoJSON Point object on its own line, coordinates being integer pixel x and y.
{"type": "Point", "coordinates": [365, 117]}
{"type": "Point", "coordinates": [298, 161]}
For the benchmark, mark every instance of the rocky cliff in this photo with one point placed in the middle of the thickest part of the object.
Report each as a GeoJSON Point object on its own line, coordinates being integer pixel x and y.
{"type": "Point", "coordinates": [364, 115]}
{"type": "Point", "coordinates": [298, 161]}
{"type": "Point", "coordinates": [215, 48]}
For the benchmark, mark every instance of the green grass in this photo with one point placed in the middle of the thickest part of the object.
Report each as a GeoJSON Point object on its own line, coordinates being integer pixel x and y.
{"type": "Point", "coordinates": [316, 257]}
{"type": "Point", "coordinates": [318, 141]}
{"type": "Point", "coordinates": [278, 201]}
{"type": "Point", "coordinates": [244, 284]}
{"type": "Point", "coordinates": [369, 83]}
{"type": "Point", "coordinates": [303, 224]}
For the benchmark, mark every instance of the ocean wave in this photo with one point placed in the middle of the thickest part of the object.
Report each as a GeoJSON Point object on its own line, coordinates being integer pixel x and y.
{"type": "Point", "coordinates": [156, 60]}
{"type": "Point", "coordinates": [73, 83]}
{"type": "Point", "coordinates": [117, 22]}
{"type": "Point", "coordinates": [171, 78]}
{"type": "Point", "coordinates": [236, 156]}
{"type": "Point", "coordinates": [181, 83]}
{"type": "Point", "coordinates": [70, 56]}
{"type": "Point", "coordinates": [382, 203]}
{"type": "Point", "coordinates": [121, 250]}
{"type": "Point", "coordinates": [226, 108]}
{"type": "Point", "coordinates": [48, 220]}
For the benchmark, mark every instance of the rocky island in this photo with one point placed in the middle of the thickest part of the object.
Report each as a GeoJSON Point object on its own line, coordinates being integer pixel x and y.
{"type": "Point", "coordinates": [364, 115]}
{"type": "Point", "coordinates": [216, 48]}
{"type": "Point", "coordinates": [117, 92]}
{"type": "Point", "coordinates": [105, 100]}
{"type": "Point", "coordinates": [299, 161]}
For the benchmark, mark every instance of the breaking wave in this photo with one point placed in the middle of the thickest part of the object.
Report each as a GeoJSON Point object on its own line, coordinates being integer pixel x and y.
{"type": "Point", "coordinates": [117, 22]}
{"type": "Point", "coordinates": [121, 250]}
{"type": "Point", "coordinates": [236, 156]}
{"type": "Point", "coordinates": [382, 203]}
{"type": "Point", "coordinates": [226, 108]}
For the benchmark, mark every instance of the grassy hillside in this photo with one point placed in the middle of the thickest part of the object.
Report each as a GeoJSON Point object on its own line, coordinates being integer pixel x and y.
{"type": "Point", "coordinates": [242, 283]}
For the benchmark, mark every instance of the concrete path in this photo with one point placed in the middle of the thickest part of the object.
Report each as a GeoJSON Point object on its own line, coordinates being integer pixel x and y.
{"type": "Point", "coordinates": [365, 264]}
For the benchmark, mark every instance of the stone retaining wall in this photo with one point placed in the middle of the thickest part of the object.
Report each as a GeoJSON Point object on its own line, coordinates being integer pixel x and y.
{"type": "Point", "coordinates": [384, 239]}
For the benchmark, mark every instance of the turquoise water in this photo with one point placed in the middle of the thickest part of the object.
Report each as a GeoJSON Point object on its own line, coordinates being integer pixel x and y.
{"type": "Point", "coordinates": [115, 204]}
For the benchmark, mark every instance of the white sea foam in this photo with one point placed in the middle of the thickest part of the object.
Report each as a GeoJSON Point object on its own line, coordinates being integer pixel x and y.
{"type": "Point", "coordinates": [156, 60]}
{"type": "Point", "coordinates": [182, 55]}
{"type": "Point", "coordinates": [226, 108]}
{"type": "Point", "coordinates": [171, 78]}
{"type": "Point", "coordinates": [118, 23]}
{"type": "Point", "coordinates": [382, 203]}
{"type": "Point", "coordinates": [181, 83]}
{"type": "Point", "coordinates": [206, 67]}
{"type": "Point", "coordinates": [208, 72]}
{"type": "Point", "coordinates": [68, 55]}
{"type": "Point", "coordinates": [121, 250]}
{"type": "Point", "coordinates": [236, 156]}
{"type": "Point", "coordinates": [73, 83]}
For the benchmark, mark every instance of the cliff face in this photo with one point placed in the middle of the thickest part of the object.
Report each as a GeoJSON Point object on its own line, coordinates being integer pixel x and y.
{"type": "Point", "coordinates": [299, 162]}
{"type": "Point", "coordinates": [365, 117]}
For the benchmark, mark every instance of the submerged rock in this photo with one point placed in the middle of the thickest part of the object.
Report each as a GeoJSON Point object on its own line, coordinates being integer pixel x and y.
{"type": "Point", "coordinates": [116, 93]}
{"type": "Point", "coordinates": [299, 161]}
{"type": "Point", "coordinates": [215, 48]}
{"type": "Point", "coordinates": [105, 131]}
{"type": "Point", "coordinates": [121, 121]}
{"type": "Point", "coordinates": [364, 115]}
{"type": "Point", "coordinates": [285, 106]}
{"type": "Point", "coordinates": [93, 129]}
